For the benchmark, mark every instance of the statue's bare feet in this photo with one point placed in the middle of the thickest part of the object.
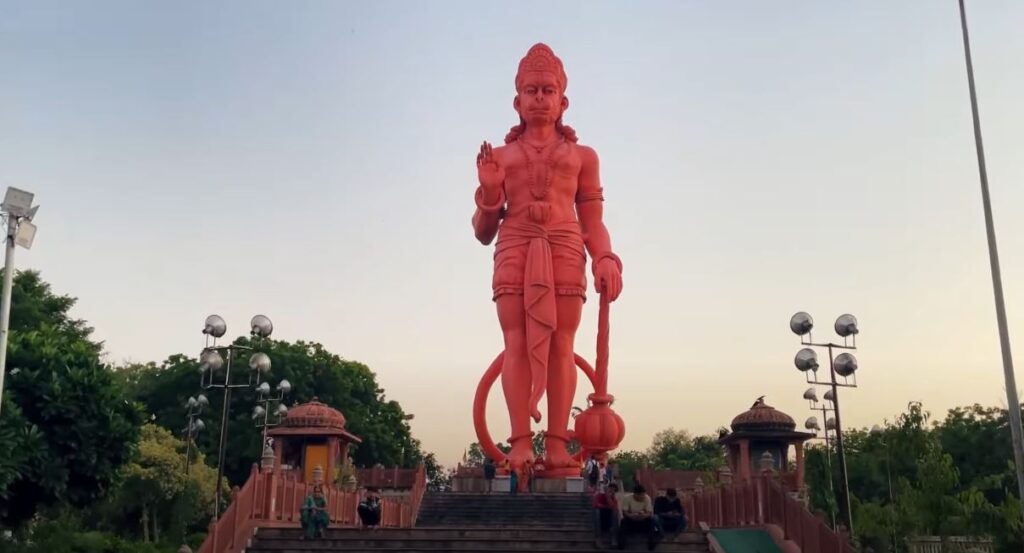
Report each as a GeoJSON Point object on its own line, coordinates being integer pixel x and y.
{"type": "Point", "coordinates": [521, 453]}
{"type": "Point", "coordinates": [557, 455]}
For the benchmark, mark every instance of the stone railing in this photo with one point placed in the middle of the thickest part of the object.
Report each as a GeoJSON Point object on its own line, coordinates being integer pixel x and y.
{"type": "Point", "coordinates": [763, 502]}
{"type": "Point", "coordinates": [270, 500]}
{"type": "Point", "coordinates": [953, 544]}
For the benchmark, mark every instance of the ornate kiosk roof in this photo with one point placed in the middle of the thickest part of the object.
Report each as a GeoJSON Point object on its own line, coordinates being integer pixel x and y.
{"type": "Point", "coordinates": [313, 419]}
{"type": "Point", "coordinates": [764, 421]}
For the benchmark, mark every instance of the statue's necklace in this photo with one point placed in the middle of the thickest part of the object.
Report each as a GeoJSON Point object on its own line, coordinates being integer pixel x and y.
{"type": "Point", "coordinates": [539, 187]}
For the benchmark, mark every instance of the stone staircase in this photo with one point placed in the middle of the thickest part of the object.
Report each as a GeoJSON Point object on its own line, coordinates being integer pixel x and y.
{"type": "Point", "coordinates": [492, 523]}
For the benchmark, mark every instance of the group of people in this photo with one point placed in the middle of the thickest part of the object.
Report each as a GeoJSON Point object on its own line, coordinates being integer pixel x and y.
{"type": "Point", "coordinates": [596, 474]}
{"type": "Point", "coordinates": [315, 519]}
{"type": "Point", "coordinates": [599, 475]}
{"type": "Point", "coordinates": [636, 514]}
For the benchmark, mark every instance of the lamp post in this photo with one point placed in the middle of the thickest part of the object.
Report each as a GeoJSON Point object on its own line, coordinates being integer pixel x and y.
{"type": "Point", "coordinates": [811, 424]}
{"type": "Point", "coordinates": [845, 366]}
{"type": "Point", "coordinates": [881, 434]}
{"type": "Point", "coordinates": [214, 358]}
{"type": "Point", "coordinates": [267, 403]}
{"type": "Point", "coordinates": [1012, 401]}
{"type": "Point", "coordinates": [195, 406]}
{"type": "Point", "coordinates": [17, 213]}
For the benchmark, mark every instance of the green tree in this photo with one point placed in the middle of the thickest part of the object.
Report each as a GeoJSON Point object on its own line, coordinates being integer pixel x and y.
{"type": "Point", "coordinates": [314, 372]}
{"type": "Point", "coordinates": [66, 427]}
{"type": "Point", "coordinates": [629, 462]}
{"type": "Point", "coordinates": [680, 450]}
{"type": "Point", "coordinates": [947, 479]}
{"type": "Point", "coordinates": [155, 494]}
{"type": "Point", "coordinates": [976, 437]}
{"type": "Point", "coordinates": [475, 454]}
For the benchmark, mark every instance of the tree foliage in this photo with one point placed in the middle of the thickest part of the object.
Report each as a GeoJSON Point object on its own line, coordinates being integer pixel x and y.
{"type": "Point", "coordinates": [65, 427]}
{"type": "Point", "coordinates": [314, 372]}
{"type": "Point", "coordinates": [156, 495]}
{"type": "Point", "coordinates": [918, 477]}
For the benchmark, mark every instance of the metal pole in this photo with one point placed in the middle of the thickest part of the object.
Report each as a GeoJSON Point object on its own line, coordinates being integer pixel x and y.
{"type": "Point", "coordinates": [828, 465]}
{"type": "Point", "coordinates": [1013, 402]}
{"type": "Point", "coordinates": [223, 435]}
{"type": "Point", "coordinates": [188, 446]}
{"type": "Point", "coordinates": [266, 419]}
{"type": "Point", "coordinates": [892, 498]}
{"type": "Point", "coordinates": [5, 302]}
{"type": "Point", "coordinates": [844, 505]}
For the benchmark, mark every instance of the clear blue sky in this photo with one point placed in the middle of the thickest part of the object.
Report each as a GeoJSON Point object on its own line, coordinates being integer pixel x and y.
{"type": "Point", "coordinates": [314, 161]}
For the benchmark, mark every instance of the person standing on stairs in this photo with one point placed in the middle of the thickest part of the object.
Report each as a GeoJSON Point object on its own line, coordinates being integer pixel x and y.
{"type": "Point", "coordinates": [593, 472]}
{"type": "Point", "coordinates": [490, 470]}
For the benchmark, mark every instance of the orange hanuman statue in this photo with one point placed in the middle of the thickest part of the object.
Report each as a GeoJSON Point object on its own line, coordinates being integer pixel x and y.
{"type": "Point", "coordinates": [540, 194]}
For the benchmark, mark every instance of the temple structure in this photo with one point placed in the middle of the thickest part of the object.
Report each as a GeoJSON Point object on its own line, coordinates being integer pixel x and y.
{"type": "Point", "coordinates": [312, 435]}
{"type": "Point", "coordinates": [760, 439]}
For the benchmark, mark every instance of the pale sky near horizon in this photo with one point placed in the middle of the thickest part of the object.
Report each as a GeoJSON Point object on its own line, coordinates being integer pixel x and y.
{"type": "Point", "coordinates": [314, 161]}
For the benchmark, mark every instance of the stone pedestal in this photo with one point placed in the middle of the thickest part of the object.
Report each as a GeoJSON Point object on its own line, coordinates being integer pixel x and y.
{"type": "Point", "coordinates": [574, 484]}
{"type": "Point", "coordinates": [502, 483]}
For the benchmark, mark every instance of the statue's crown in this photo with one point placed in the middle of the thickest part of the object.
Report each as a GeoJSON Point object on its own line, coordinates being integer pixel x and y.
{"type": "Point", "coordinates": [542, 59]}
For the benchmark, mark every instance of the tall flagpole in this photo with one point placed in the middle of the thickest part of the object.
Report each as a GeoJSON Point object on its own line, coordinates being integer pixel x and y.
{"type": "Point", "coordinates": [1013, 403]}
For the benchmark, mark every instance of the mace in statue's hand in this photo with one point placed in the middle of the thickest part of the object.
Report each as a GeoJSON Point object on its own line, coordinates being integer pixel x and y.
{"type": "Point", "coordinates": [608, 277]}
{"type": "Point", "coordinates": [489, 171]}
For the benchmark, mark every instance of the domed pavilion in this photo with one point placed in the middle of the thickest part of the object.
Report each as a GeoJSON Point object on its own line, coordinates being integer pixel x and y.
{"type": "Point", "coordinates": [311, 435]}
{"type": "Point", "coordinates": [760, 439]}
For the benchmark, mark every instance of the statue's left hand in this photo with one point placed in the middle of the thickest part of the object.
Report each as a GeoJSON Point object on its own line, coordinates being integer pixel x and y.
{"type": "Point", "coordinates": [608, 278]}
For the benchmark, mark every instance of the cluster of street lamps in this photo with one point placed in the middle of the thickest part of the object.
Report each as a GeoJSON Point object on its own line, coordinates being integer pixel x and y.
{"type": "Point", "coordinates": [215, 364]}
{"type": "Point", "coordinates": [195, 406]}
{"type": "Point", "coordinates": [842, 373]}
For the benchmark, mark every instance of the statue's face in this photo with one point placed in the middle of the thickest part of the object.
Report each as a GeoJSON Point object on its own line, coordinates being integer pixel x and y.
{"type": "Point", "coordinates": [539, 99]}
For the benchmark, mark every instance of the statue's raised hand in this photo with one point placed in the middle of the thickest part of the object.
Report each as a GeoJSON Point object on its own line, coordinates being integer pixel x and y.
{"type": "Point", "coordinates": [489, 171]}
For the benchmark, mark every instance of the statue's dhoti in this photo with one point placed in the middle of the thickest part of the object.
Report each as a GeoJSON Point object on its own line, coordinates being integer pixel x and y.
{"type": "Point", "coordinates": [539, 262]}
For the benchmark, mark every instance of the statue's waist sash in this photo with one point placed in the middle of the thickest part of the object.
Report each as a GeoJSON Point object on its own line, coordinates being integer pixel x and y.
{"type": "Point", "coordinates": [539, 287]}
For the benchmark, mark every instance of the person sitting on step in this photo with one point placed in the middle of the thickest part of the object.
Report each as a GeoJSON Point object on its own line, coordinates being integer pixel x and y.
{"type": "Point", "coordinates": [637, 518]}
{"type": "Point", "coordinates": [314, 517]}
{"type": "Point", "coordinates": [369, 509]}
{"type": "Point", "coordinates": [669, 513]}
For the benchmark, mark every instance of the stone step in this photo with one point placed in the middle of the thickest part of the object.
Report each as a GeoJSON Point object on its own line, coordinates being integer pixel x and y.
{"type": "Point", "coordinates": [435, 540]}
{"type": "Point", "coordinates": [507, 496]}
{"type": "Point", "coordinates": [491, 510]}
{"type": "Point", "coordinates": [456, 544]}
{"type": "Point", "coordinates": [311, 547]}
{"type": "Point", "coordinates": [508, 532]}
{"type": "Point", "coordinates": [498, 514]}
{"type": "Point", "coordinates": [511, 502]}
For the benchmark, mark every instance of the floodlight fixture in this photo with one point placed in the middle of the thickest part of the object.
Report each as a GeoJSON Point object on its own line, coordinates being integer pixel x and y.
{"type": "Point", "coordinates": [215, 326]}
{"type": "Point", "coordinates": [806, 360]}
{"type": "Point", "coordinates": [846, 325]}
{"type": "Point", "coordinates": [801, 323]}
{"type": "Point", "coordinates": [261, 326]}
{"type": "Point", "coordinates": [17, 202]}
{"type": "Point", "coordinates": [845, 364]}
{"type": "Point", "coordinates": [260, 362]}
